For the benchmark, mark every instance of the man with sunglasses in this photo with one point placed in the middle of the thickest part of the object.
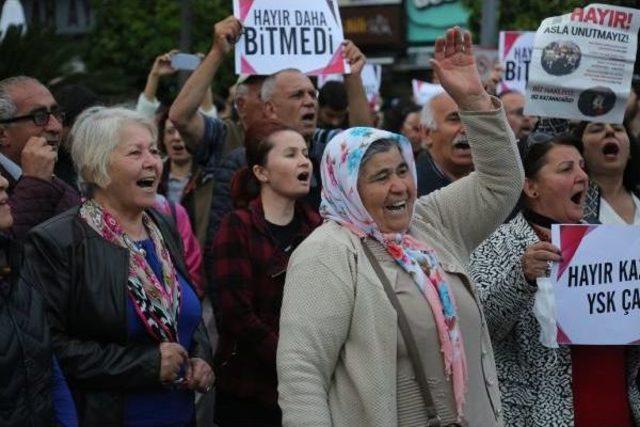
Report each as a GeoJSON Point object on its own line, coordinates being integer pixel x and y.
{"type": "Point", "coordinates": [30, 132]}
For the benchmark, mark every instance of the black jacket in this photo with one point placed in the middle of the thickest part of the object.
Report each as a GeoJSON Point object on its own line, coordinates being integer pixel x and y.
{"type": "Point", "coordinates": [25, 357]}
{"type": "Point", "coordinates": [84, 279]}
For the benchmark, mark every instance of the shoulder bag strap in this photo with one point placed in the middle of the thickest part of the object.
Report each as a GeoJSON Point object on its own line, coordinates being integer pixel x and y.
{"type": "Point", "coordinates": [409, 340]}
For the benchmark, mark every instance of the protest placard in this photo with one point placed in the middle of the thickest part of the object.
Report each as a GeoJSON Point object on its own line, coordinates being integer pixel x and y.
{"type": "Point", "coordinates": [306, 35]}
{"type": "Point", "coordinates": [582, 64]}
{"type": "Point", "coordinates": [515, 50]}
{"type": "Point", "coordinates": [597, 284]}
{"type": "Point", "coordinates": [371, 79]}
{"type": "Point", "coordinates": [424, 91]}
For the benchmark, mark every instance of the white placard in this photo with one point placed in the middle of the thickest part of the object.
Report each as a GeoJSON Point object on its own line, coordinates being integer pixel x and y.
{"type": "Point", "coordinates": [306, 35]}
{"type": "Point", "coordinates": [515, 50]}
{"type": "Point", "coordinates": [424, 91]}
{"type": "Point", "coordinates": [582, 64]}
{"type": "Point", "coordinates": [597, 284]}
{"type": "Point", "coordinates": [371, 80]}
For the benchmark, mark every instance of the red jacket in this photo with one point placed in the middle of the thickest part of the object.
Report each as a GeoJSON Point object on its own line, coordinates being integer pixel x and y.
{"type": "Point", "coordinates": [248, 272]}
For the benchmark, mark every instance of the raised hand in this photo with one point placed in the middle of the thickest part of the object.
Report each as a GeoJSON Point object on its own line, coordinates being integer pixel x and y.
{"type": "Point", "coordinates": [162, 65]}
{"type": "Point", "coordinates": [226, 33]}
{"type": "Point", "coordinates": [354, 57]}
{"type": "Point", "coordinates": [456, 69]}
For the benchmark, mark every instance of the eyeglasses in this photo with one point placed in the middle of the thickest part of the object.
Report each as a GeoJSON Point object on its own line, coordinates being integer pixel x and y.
{"type": "Point", "coordinates": [534, 138]}
{"type": "Point", "coordinates": [39, 118]}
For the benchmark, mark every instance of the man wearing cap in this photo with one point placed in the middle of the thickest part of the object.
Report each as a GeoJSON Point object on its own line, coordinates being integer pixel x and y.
{"type": "Point", "coordinates": [30, 133]}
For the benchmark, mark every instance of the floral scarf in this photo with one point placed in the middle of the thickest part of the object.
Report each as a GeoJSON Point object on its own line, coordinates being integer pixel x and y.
{"type": "Point", "coordinates": [156, 304]}
{"type": "Point", "coordinates": [341, 203]}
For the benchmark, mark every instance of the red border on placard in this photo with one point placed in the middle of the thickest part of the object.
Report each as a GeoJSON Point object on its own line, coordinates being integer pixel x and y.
{"type": "Point", "coordinates": [510, 38]}
{"type": "Point", "coordinates": [562, 338]}
{"type": "Point", "coordinates": [335, 66]}
{"type": "Point", "coordinates": [570, 238]}
{"type": "Point", "coordinates": [245, 67]}
{"type": "Point", "coordinates": [244, 5]}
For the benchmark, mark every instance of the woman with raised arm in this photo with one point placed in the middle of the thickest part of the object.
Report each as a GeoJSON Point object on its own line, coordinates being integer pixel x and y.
{"type": "Point", "coordinates": [380, 324]}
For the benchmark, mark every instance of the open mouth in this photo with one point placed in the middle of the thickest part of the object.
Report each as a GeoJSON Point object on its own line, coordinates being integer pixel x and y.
{"type": "Point", "coordinates": [397, 207]}
{"type": "Point", "coordinates": [309, 117]}
{"type": "Point", "coordinates": [146, 182]}
{"type": "Point", "coordinates": [303, 177]}
{"type": "Point", "coordinates": [610, 149]}
{"type": "Point", "coordinates": [461, 145]}
{"type": "Point", "coordinates": [578, 197]}
{"type": "Point", "coordinates": [178, 148]}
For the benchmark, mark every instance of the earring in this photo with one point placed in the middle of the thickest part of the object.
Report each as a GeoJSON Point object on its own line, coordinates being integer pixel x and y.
{"type": "Point", "coordinates": [534, 194]}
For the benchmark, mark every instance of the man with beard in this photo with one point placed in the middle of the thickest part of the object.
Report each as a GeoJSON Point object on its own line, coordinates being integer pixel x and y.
{"type": "Point", "coordinates": [30, 133]}
{"type": "Point", "coordinates": [513, 102]}
{"type": "Point", "coordinates": [448, 157]}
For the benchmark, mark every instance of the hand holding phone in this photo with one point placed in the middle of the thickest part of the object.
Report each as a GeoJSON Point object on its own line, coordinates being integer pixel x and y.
{"type": "Point", "coordinates": [185, 61]}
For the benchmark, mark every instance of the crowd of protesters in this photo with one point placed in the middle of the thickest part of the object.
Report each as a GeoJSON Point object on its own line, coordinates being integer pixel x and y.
{"type": "Point", "coordinates": [297, 262]}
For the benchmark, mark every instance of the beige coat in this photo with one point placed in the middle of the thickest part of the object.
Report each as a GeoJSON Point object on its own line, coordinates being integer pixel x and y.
{"type": "Point", "coordinates": [338, 342]}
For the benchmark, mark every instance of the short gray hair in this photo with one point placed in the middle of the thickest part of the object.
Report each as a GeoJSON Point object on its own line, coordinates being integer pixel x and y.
{"type": "Point", "coordinates": [96, 134]}
{"type": "Point", "coordinates": [427, 118]}
{"type": "Point", "coordinates": [379, 146]}
{"type": "Point", "coordinates": [269, 84]}
{"type": "Point", "coordinates": [8, 107]}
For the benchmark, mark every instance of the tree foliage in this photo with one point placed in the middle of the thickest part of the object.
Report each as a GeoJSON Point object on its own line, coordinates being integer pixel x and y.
{"type": "Point", "coordinates": [39, 53]}
{"type": "Point", "coordinates": [128, 36]}
{"type": "Point", "coordinates": [527, 15]}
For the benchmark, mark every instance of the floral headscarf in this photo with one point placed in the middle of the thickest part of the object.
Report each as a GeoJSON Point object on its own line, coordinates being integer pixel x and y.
{"type": "Point", "coordinates": [341, 203]}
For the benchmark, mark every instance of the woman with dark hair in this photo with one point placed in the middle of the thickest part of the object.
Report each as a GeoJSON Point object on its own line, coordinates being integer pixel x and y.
{"type": "Point", "coordinates": [183, 179]}
{"type": "Point", "coordinates": [612, 157]}
{"type": "Point", "coordinates": [251, 251]}
{"type": "Point", "coordinates": [569, 385]}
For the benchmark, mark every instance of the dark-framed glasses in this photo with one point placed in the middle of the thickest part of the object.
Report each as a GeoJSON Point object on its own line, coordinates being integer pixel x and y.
{"type": "Point", "coordinates": [39, 117]}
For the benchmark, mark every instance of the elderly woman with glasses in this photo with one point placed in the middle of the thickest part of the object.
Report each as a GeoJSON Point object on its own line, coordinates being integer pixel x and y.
{"type": "Point", "coordinates": [577, 385]}
{"type": "Point", "coordinates": [125, 319]}
{"type": "Point", "coordinates": [345, 353]}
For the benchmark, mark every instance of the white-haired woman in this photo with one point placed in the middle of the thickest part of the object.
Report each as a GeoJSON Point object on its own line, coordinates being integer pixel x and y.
{"type": "Point", "coordinates": [125, 320]}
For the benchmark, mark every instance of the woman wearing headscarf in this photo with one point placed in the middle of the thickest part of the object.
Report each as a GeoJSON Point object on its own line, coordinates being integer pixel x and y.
{"type": "Point", "coordinates": [345, 357]}
{"type": "Point", "coordinates": [569, 385]}
{"type": "Point", "coordinates": [125, 320]}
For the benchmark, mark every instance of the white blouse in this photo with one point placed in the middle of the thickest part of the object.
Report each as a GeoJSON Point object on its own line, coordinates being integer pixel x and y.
{"type": "Point", "coordinates": [609, 216]}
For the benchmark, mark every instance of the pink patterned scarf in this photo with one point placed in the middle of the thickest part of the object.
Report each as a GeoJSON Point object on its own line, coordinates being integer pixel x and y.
{"type": "Point", "coordinates": [157, 304]}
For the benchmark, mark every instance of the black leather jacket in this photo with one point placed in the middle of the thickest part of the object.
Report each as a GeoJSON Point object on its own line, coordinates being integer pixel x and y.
{"type": "Point", "coordinates": [84, 279]}
{"type": "Point", "coordinates": [25, 357]}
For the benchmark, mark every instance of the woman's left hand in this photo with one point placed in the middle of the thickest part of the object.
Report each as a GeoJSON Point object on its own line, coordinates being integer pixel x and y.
{"type": "Point", "coordinates": [199, 376]}
{"type": "Point", "coordinates": [455, 66]}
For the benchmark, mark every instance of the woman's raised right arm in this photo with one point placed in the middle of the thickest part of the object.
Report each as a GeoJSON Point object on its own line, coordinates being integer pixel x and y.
{"type": "Point", "coordinates": [314, 324]}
